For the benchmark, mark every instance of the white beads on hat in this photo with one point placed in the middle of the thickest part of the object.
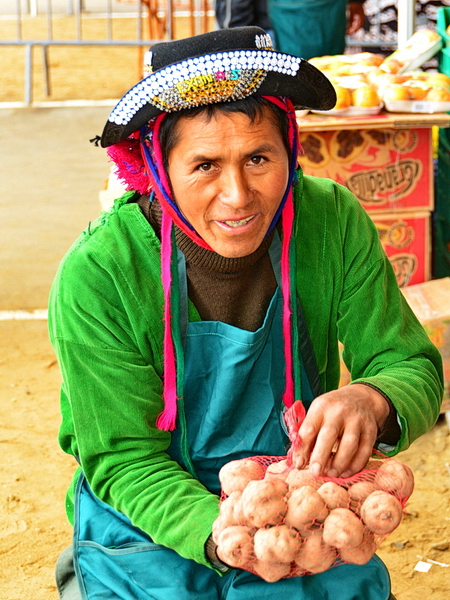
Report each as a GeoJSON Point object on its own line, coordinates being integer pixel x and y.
{"type": "Point", "coordinates": [205, 79]}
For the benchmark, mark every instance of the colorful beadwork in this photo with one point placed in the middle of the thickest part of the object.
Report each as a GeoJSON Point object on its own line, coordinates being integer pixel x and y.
{"type": "Point", "coordinates": [232, 75]}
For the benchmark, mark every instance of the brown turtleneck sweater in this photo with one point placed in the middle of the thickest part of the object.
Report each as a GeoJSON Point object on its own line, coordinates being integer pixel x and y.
{"type": "Point", "coordinates": [236, 291]}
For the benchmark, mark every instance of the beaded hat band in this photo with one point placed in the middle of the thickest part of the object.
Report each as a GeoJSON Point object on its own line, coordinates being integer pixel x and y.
{"type": "Point", "coordinates": [219, 66]}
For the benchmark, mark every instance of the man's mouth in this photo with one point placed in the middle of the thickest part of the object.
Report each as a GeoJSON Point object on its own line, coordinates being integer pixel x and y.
{"type": "Point", "coordinates": [240, 222]}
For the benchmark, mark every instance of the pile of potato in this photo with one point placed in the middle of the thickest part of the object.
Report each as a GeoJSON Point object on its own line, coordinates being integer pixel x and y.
{"type": "Point", "coordinates": [281, 521]}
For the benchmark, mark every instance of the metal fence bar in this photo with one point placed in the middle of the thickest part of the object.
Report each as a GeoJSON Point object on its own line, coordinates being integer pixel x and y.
{"type": "Point", "coordinates": [18, 20]}
{"type": "Point", "coordinates": [28, 73]}
{"type": "Point", "coordinates": [49, 20]}
{"type": "Point", "coordinates": [406, 20]}
{"type": "Point", "coordinates": [47, 83]}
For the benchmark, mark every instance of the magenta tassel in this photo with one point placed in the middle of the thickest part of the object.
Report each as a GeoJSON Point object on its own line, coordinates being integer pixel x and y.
{"type": "Point", "coordinates": [167, 418]}
{"type": "Point", "coordinates": [287, 221]}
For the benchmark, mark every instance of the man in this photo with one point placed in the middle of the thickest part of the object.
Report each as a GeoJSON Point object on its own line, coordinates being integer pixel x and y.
{"type": "Point", "coordinates": [310, 28]}
{"type": "Point", "coordinates": [212, 296]}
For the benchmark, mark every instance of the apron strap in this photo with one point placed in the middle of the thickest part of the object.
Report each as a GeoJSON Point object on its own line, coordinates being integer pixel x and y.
{"type": "Point", "coordinates": [310, 381]}
{"type": "Point", "coordinates": [308, 358]}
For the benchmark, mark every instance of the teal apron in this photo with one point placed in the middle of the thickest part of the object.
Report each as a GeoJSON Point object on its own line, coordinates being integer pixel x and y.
{"type": "Point", "coordinates": [308, 28]}
{"type": "Point", "coordinates": [232, 408]}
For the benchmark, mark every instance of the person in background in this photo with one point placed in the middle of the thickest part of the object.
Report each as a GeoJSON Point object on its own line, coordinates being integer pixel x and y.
{"type": "Point", "coordinates": [205, 304]}
{"type": "Point", "coordinates": [309, 28]}
{"type": "Point", "coordinates": [241, 13]}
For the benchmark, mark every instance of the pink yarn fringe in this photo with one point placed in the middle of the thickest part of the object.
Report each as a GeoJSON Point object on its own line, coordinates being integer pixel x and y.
{"type": "Point", "coordinates": [129, 165]}
{"type": "Point", "coordinates": [287, 221]}
{"type": "Point", "coordinates": [167, 418]}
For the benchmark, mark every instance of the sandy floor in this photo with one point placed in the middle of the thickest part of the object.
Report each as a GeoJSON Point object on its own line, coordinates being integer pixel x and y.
{"type": "Point", "coordinates": [50, 177]}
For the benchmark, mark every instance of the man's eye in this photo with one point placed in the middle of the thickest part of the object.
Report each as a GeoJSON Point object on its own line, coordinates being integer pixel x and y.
{"type": "Point", "coordinates": [257, 160]}
{"type": "Point", "coordinates": [205, 166]}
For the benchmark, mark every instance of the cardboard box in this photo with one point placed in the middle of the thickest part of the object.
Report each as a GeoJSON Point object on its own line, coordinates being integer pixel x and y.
{"type": "Point", "coordinates": [430, 302]}
{"type": "Point", "coordinates": [388, 170]}
{"type": "Point", "coordinates": [406, 240]}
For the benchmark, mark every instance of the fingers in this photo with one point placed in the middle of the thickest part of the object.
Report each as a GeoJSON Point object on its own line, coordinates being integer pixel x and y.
{"type": "Point", "coordinates": [352, 454]}
{"type": "Point", "coordinates": [338, 434]}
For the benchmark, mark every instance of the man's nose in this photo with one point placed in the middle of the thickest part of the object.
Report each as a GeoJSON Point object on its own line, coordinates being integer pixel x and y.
{"type": "Point", "coordinates": [235, 191]}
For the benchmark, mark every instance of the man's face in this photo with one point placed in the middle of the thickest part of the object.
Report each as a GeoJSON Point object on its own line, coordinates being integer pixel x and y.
{"type": "Point", "coordinates": [228, 177]}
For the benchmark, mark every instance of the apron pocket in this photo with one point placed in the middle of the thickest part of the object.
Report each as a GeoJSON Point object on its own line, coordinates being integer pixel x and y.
{"type": "Point", "coordinates": [142, 571]}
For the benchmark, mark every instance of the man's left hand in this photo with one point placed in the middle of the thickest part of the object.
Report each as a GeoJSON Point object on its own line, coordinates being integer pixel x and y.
{"type": "Point", "coordinates": [340, 430]}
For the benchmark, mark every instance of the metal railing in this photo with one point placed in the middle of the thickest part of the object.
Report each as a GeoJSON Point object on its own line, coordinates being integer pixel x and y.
{"type": "Point", "coordinates": [154, 21]}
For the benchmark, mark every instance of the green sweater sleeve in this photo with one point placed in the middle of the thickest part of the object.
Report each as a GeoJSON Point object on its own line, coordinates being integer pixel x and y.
{"type": "Point", "coordinates": [106, 327]}
{"type": "Point", "coordinates": [362, 306]}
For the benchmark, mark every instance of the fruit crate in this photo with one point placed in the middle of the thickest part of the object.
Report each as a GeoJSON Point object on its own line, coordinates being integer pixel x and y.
{"type": "Point", "coordinates": [443, 21]}
{"type": "Point", "coordinates": [441, 215]}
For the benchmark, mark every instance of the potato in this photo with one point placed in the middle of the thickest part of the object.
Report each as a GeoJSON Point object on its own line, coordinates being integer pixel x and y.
{"type": "Point", "coordinates": [395, 477]}
{"type": "Point", "coordinates": [358, 492]}
{"type": "Point", "coordinates": [277, 470]}
{"type": "Point", "coordinates": [218, 526]}
{"type": "Point", "coordinates": [277, 544]}
{"type": "Point", "coordinates": [297, 478]}
{"type": "Point", "coordinates": [381, 512]}
{"type": "Point", "coordinates": [342, 528]}
{"type": "Point", "coordinates": [227, 507]}
{"type": "Point", "coordinates": [235, 545]}
{"type": "Point", "coordinates": [230, 513]}
{"type": "Point", "coordinates": [314, 555]}
{"type": "Point", "coordinates": [271, 571]}
{"type": "Point", "coordinates": [305, 506]}
{"type": "Point", "coordinates": [359, 555]}
{"type": "Point", "coordinates": [238, 510]}
{"type": "Point", "coordinates": [300, 493]}
{"type": "Point", "coordinates": [280, 485]}
{"type": "Point", "coordinates": [235, 475]}
{"type": "Point", "coordinates": [334, 495]}
{"type": "Point", "coordinates": [262, 503]}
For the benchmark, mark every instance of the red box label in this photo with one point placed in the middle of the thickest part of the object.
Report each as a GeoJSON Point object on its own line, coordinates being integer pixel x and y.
{"type": "Point", "coordinates": [405, 239]}
{"type": "Point", "coordinates": [386, 169]}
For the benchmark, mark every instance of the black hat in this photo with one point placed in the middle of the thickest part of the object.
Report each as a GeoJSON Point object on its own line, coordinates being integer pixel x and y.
{"type": "Point", "coordinates": [219, 66]}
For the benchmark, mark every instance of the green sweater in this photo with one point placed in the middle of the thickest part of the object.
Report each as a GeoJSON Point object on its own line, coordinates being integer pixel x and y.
{"type": "Point", "coordinates": [105, 321]}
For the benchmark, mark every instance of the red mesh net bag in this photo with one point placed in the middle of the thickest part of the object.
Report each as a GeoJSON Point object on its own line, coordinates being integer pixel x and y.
{"type": "Point", "coordinates": [279, 521]}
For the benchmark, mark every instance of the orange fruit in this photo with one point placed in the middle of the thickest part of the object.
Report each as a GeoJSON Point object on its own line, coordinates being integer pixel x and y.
{"type": "Point", "coordinates": [438, 94]}
{"type": "Point", "coordinates": [395, 92]}
{"type": "Point", "coordinates": [344, 98]}
{"type": "Point", "coordinates": [365, 96]}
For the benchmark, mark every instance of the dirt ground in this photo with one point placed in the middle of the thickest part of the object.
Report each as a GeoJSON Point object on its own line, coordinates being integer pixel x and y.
{"type": "Point", "coordinates": [49, 181]}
